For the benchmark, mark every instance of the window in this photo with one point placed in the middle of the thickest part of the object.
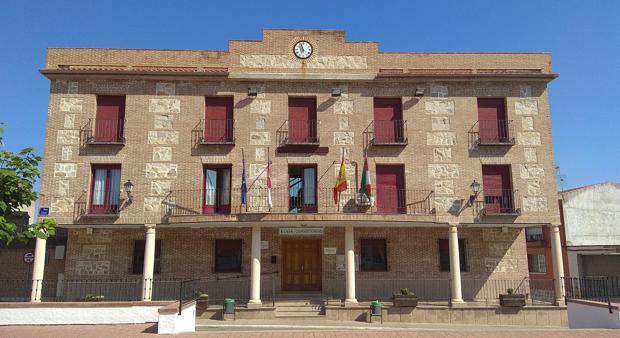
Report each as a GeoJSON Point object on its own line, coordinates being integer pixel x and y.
{"type": "Point", "coordinates": [218, 120]}
{"type": "Point", "coordinates": [536, 263]}
{"type": "Point", "coordinates": [302, 189]}
{"type": "Point", "coordinates": [228, 255]}
{"type": "Point", "coordinates": [373, 255]}
{"type": "Point", "coordinates": [534, 234]}
{"type": "Point", "coordinates": [444, 255]}
{"type": "Point", "coordinates": [216, 193]}
{"type": "Point", "coordinates": [138, 256]}
{"type": "Point", "coordinates": [302, 124]}
{"type": "Point", "coordinates": [106, 185]}
{"type": "Point", "coordinates": [497, 189]}
{"type": "Point", "coordinates": [110, 118]}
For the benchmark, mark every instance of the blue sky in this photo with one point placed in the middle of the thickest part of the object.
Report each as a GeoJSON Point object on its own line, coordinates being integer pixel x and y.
{"type": "Point", "coordinates": [583, 37]}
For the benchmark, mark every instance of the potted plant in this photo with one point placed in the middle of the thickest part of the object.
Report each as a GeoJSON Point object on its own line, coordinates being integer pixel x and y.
{"type": "Point", "coordinates": [511, 299]}
{"type": "Point", "coordinates": [406, 298]}
{"type": "Point", "coordinates": [202, 301]}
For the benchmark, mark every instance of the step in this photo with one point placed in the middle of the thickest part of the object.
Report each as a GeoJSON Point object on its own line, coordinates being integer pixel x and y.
{"type": "Point", "coordinates": [300, 316]}
{"type": "Point", "coordinates": [300, 308]}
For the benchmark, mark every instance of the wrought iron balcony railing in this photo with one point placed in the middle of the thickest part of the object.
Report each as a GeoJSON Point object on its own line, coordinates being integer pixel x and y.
{"type": "Point", "coordinates": [82, 208]}
{"type": "Point", "coordinates": [285, 200]}
{"type": "Point", "coordinates": [209, 131]}
{"type": "Point", "coordinates": [392, 132]}
{"type": "Point", "coordinates": [493, 132]}
{"type": "Point", "coordinates": [298, 132]}
{"type": "Point", "coordinates": [103, 131]}
{"type": "Point", "coordinates": [498, 202]}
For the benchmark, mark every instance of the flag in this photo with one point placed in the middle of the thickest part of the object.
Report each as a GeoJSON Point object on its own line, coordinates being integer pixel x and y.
{"type": "Point", "coordinates": [341, 182]}
{"type": "Point", "coordinates": [365, 184]}
{"type": "Point", "coordinates": [269, 184]}
{"type": "Point", "coordinates": [244, 187]}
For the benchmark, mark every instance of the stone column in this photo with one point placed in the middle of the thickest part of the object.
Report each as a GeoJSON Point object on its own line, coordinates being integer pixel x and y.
{"type": "Point", "coordinates": [349, 248]}
{"type": "Point", "coordinates": [149, 263]}
{"type": "Point", "coordinates": [38, 268]}
{"type": "Point", "coordinates": [558, 263]}
{"type": "Point", "coordinates": [455, 265]}
{"type": "Point", "coordinates": [255, 273]}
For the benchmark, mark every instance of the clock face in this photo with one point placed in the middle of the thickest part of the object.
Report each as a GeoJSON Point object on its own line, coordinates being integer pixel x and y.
{"type": "Point", "coordinates": [303, 49]}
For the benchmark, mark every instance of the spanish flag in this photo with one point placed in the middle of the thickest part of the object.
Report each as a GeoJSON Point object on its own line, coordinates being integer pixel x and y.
{"type": "Point", "coordinates": [341, 182]}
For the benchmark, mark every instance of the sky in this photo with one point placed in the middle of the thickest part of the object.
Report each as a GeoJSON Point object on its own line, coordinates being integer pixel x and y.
{"type": "Point", "coordinates": [583, 38]}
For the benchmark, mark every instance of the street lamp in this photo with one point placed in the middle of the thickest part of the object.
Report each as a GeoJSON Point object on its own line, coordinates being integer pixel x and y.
{"type": "Point", "coordinates": [128, 189]}
{"type": "Point", "coordinates": [475, 189]}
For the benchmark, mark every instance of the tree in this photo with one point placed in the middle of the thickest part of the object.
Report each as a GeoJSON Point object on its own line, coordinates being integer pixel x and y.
{"type": "Point", "coordinates": [18, 174]}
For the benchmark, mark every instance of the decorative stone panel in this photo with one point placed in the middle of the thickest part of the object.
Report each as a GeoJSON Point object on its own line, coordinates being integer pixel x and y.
{"type": "Point", "coordinates": [68, 137]}
{"type": "Point", "coordinates": [60, 205]}
{"type": "Point", "coordinates": [442, 154]}
{"type": "Point", "coordinates": [530, 155]}
{"type": "Point", "coordinates": [163, 121]}
{"type": "Point", "coordinates": [69, 121]}
{"type": "Point", "coordinates": [160, 187]}
{"type": "Point", "coordinates": [443, 171]}
{"type": "Point", "coordinates": [533, 188]}
{"type": "Point", "coordinates": [440, 107]}
{"type": "Point", "coordinates": [318, 62]}
{"type": "Point", "coordinates": [343, 107]}
{"type": "Point", "coordinates": [534, 204]}
{"type": "Point", "coordinates": [444, 187]}
{"type": "Point", "coordinates": [440, 123]}
{"type": "Point", "coordinates": [94, 252]}
{"type": "Point", "coordinates": [92, 268]}
{"type": "Point", "coordinates": [161, 170]}
{"type": "Point", "coordinates": [343, 138]}
{"type": "Point", "coordinates": [67, 153]}
{"type": "Point", "coordinates": [257, 170]}
{"type": "Point", "coordinates": [343, 123]}
{"type": "Point", "coordinates": [526, 107]}
{"type": "Point", "coordinates": [441, 139]}
{"type": "Point", "coordinates": [262, 138]}
{"type": "Point", "coordinates": [259, 154]}
{"type": "Point", "coordinates": [262, 107]}
{"type": "Point", "coordinates": [152, 204]}
{"type": "Point", "coordinates": [62, 188]}
{"type": "Point", "coordinates": [71, 104]}
{"type": "Point", "coordinates": [260, 123]}
{"type": "Point", "coordinates": [161, 154]}
{"type": "Point", "coordinates": [337, 62]}
{"type": "Point", "coordinates": [531, 171]}
{"type": "Point", "coordinates": [165, 106]}
{"type": "Point", "coordinates": [163, 137]}
{"type": "Point", "coordinates": [65, 169]}
{"type": "Point", "coordinates": [529, 138]}
{"type": "Point", "coordinates": [165, 89]}
{"type": "Point", "coordinates": [527, 123]}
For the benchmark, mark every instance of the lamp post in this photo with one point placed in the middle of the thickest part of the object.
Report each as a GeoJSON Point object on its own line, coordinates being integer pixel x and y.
{"type": "Point", "coordinates": [128, 189]}
{"type": "Point", "coordinates": [475, 189]}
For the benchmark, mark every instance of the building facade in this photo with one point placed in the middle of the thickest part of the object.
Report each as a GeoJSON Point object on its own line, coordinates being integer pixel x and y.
{"type": "Point", "coordinates": [147, 150]}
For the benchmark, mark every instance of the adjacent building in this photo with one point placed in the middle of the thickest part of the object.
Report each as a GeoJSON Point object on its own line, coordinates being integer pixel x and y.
{"type": "Point", "coordinates": [214, 164]}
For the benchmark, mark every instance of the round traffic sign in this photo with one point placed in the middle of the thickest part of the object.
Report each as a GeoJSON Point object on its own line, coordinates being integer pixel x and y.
{"type": "Point", "coordinates": [28, 257]}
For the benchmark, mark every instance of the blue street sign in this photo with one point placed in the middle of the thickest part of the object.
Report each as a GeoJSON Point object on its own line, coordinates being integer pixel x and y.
{"type": "Point", "coordinates": [44, 211]}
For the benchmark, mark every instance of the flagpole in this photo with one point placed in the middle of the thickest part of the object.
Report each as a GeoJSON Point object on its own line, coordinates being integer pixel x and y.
{"type": "Point", "coordinates": [243, 178]}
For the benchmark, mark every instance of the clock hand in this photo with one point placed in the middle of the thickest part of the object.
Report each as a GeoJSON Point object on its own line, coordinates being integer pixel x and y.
{"type": "Point", "coordinates": [301, 47]}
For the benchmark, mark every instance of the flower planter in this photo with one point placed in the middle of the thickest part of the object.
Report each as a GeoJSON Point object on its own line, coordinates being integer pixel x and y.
{"type": "Point", "coordinates": [512, 300]}
{"type": "Point", "coordinates": [202, 302]}
{"type": "Point", "coordinates": [401, 300]}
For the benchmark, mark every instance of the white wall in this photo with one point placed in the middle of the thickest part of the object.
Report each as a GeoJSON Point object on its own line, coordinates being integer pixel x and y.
{"type": "Point", "coordinates": [175, 323]}
{"type": "Point", "coordinates": [78, 315]}
{"type": "Point", "coordinates": [581, 316]}
{"type": "Point", "coordinates": [592, 215]}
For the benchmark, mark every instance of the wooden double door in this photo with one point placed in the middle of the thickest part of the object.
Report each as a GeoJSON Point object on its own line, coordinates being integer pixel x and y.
{"type": "Point", "coordinates": [301, 265]}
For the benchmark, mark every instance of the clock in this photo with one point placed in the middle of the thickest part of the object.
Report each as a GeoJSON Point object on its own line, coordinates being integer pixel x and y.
{"type": "Point", "coordinates": [302, 49]}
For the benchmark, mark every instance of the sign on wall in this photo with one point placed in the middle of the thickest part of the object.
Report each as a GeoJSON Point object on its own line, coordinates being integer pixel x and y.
{"type": "Point", "coordinates": [44, 211]}
{"type": "Point", "coordinates": [301, 231]}
{"type": "Point", "coordinates": [329, 251]}
{"type": "Point", "coordinates": [341, 264]}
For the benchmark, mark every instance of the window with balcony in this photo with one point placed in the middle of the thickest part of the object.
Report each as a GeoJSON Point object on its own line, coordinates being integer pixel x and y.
{"type": "Point", "coordinates": [105, 189]}
{"type": "Point", "coordinates": [218, 123]}
{"type": "Point", "coordinates": [499, 197]}
{"type": "Point", "coordinates": [302, 121]}
{"type": "Point", "coordinates": [493, 127]}
{"type": "Point", "coordinates": [444, 255]}
{"type": "Point", "coordinates": [138, 256]}
{"type": "Point", "coordinates": [391, 197]}
{"type": "Point", "coordinates": [109, 120]}
{"type": "Point", "coordinates": [228, 253]}
{"type": "Point", "coordinates": [373, 255]}
{"type": "Point", "coordinates": [302, 188]}
{"type": "Point", "coordinates": [388, 124]}
{"type": "Point", "coordinates": [216, 192]}
{"type": "Point", "coordinates": [534, 234]}
{"type": "Point", "coordinates": [536, 263]}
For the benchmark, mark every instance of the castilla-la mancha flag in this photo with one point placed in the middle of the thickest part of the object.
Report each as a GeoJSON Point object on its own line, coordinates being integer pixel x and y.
{"type": "Point", "coordinates": [366, 185]}
{"type": "Point", "coordinates": [341, 182]}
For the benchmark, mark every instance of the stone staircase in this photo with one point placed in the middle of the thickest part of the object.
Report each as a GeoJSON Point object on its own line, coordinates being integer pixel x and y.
{"type": "Point", "coordinates": [299, 306]}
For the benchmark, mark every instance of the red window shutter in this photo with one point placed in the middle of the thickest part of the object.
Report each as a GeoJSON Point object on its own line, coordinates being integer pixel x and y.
{"type": "Point", "coordinates": [109, 119]}
{"type": "Point", "coordinates": [218, 119]}
{"type": "Point", "coordinates": [388, 116]}
{"type": "Point", "coordinates": [390, 189]}
{"type": "Point", "coordinates": [492, 120]}
{"type": "Point", "coordinates": [496, 187]}
{"type": "Point", "coordinates": [302, 125]}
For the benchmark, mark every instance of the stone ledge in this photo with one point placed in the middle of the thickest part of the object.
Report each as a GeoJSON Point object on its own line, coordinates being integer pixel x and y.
{"type": "Point", "coordinates": [13, 305]}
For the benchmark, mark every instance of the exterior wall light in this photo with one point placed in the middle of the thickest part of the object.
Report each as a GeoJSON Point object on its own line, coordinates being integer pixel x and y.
{"type": "Point", "coordinates": [336, 92]}
{"type": "Point", "coordinates": [252, 91]}
{"type": "Point", "coordinates": [475, 189]}
{"type": "Point", "coordinates": [128, 189]}
{"type": "Point", "coordinates": [419, 92]}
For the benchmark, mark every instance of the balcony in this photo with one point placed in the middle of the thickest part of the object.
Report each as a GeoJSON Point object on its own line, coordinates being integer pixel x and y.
{"type": "Point", "coordinates": [493, 133]}
{"type": "Point", "coordinates": [289, 201]}
{"type": "Point", "coordinates": [498, 202]}
{"type": "Point", "coordinates": [82, 209]}
{"type": "Point", "coordinates": [214, 132]}
{"type": "Point", "coordinates": [103, 131]}
{"type": "Point", "coordinates": [387, 133]}
{"type": "Point", "coordinates": [298, 132]}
